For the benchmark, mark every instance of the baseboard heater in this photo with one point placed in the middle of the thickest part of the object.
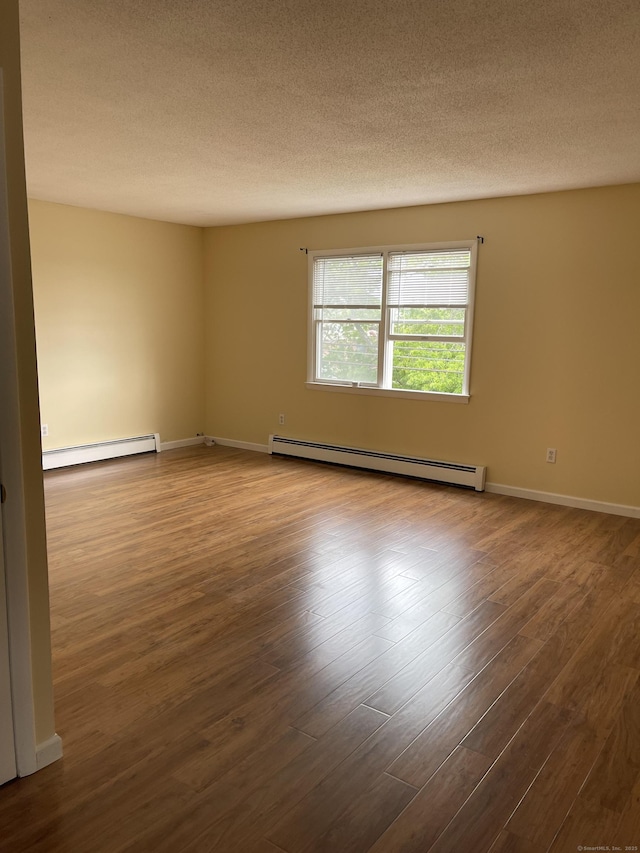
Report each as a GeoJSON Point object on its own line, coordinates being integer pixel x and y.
{"type": "Point", "coordinates": [450, 473]}
{"type": "Point", "coordinates": [64, 456]}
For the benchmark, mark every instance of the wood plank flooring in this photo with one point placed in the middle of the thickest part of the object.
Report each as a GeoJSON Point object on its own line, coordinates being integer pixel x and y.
{"type": "Point", "coordinates": [254, 655]}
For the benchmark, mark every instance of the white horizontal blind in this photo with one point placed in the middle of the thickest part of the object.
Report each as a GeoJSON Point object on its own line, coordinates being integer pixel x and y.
{"type": "Point", "coordinates": [429, 278]}
{"type": "Point", "coordinates": [348, 281]}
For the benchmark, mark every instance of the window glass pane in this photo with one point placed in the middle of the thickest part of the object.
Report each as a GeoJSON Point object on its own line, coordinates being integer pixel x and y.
{"type": "Point", "coordinates": [348, 352]}
{"type": "Point", "coordinates": [428, 366]}
{"type": "Point", "coordinates": [446, 322]}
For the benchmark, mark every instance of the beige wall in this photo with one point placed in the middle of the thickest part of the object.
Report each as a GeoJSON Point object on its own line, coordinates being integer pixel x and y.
{"type": "Point", "coordinates": [121, 335]}
{"type": "Point", "coordinates": [120, 327]}
{"type": "Point", "coordinates": [24, 469]}
{"type": "Point", "coordinates": [556, 343]}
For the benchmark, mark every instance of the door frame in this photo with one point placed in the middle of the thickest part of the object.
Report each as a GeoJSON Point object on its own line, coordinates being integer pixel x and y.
{"type": "Point", "coordinates": [13, 510]}
{"type": "Point", "coordinates": [8, 767]}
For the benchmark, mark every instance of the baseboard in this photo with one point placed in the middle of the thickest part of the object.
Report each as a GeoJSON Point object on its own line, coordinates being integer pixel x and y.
{"type": "Point", "coordinates": [495, 488]}
{"type": "Point", "coordinates": [48, 751]}
{"type": "Point", "coordinates": [181, 442]}
{"type": "Point", "coordinates": [243, 445]}
{"type": "Point", "coordinates": [62, 457]}
{"type": "Point", "coordinates": [564, 500]}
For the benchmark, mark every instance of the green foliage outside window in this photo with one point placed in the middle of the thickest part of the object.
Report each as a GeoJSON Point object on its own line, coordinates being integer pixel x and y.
{"type": "Point", "coordinates": [428, 365]}
{"type": "Point", "coordinates": [349, 350]}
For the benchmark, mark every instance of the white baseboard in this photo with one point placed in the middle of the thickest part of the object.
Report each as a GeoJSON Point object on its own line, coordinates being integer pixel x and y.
{"type": "Point", "coordinates": [182, 442]}
{"type": "Point", "coordinates": [62, 457]}
{"type": "Point", "coordinates": [564, 500]}
{"type": "Point", "coordinates": [495, 488]}
{"type": "Point", "coordinates": [48, 751]}
{"type": "Point", "coordinates": [243, 445]}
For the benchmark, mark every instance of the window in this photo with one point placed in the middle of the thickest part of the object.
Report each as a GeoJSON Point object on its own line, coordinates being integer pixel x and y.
{"type": "Point", "coordinates": [394, 319]}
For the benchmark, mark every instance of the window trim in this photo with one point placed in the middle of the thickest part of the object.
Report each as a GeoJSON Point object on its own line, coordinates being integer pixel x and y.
{"type": "Point", "coordinates": [376, 390]}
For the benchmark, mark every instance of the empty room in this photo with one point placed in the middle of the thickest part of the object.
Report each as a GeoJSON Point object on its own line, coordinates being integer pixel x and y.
{"type": "Point", "coordinates": [319, 439]}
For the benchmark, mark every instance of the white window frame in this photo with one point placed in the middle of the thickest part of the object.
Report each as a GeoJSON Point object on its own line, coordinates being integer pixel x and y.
{"type": "Point", "coordinates": [386, 340]}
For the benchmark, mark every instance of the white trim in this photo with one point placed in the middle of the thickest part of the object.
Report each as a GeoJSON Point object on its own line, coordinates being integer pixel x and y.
{"type": "Point", "coordinates": [8, 767]}
{"type": "Point", "coordinates": [563, 500]}
{"type": "Point", "coordinates": [49, 751]}
{"type": "Point", "coordinates": [370, 391]}
{"type": "Point", "coordinates": [14, 511]}
{"type": "Point", "coordinates": [494, 488]}
{"type": "Point", "coordinates": [385, 347]}
{"type": "Point", "coordinates": [181, 442]}
{"type": "Point", "coordinates": [469, 317]}
{"type": "Point", "coordinates": [64, 456]}
{"type": "Point", "coordinates": [312, 327]}
{"type": "Point", "coordinates": [243, 445]}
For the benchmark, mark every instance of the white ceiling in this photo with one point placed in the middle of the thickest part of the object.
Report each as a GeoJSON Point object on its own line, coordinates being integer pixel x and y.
{"type": "Point", "coordinates": [222, 111]}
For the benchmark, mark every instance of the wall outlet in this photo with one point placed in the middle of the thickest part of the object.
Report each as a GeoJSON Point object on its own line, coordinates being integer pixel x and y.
{"type": "Point", "coordinates": [281, 419]}
{"type": "Point", "coordinates": [551, 454]}
{"type": "Point", "coordinates": [44, 430]}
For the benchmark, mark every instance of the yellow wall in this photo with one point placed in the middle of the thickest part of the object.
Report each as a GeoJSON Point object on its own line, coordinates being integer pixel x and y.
{"type": "Point", "coordinates": [556, 344]}
{"type": "Point", "coordinates": [26, 471]}
{"type": "Point", "coordinates": [120, 325]}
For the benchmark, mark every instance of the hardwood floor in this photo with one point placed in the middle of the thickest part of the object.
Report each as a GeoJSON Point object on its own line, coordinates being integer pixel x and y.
{"type": "Point", "coordinates": [257, 654]}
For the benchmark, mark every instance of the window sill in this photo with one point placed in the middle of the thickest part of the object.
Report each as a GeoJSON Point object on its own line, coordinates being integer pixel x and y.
{"type": "Point", "coordinates": [388, 392]}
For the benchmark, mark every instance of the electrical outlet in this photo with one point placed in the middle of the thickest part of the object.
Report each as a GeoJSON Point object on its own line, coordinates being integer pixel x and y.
{"type": "Point", "coordinates": [551, 454]}
{"type": "Point", "coordinates": [281, 419]}
{"type": "Point", "coordinates": [44, 430]}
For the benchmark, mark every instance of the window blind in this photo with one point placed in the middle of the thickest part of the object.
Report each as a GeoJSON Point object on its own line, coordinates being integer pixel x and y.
{"type": "Point", "coordinates": [349, 281]}
{"type": "Point", "coordinates": [429, 278]}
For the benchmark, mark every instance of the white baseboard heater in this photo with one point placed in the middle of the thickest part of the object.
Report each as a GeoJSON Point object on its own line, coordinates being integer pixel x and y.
{"type": "Point", "coordinates": [64, 456]}
{"type": "Point", "coordinates": [450, 473]}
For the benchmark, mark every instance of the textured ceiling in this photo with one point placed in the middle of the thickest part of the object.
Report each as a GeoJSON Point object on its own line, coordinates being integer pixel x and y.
{"type": "Point", "coordinates": [219, 111]}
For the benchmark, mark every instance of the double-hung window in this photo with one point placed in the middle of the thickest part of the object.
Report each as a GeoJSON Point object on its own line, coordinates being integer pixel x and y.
{"type": "Point", "coordinates": [394, 319]}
